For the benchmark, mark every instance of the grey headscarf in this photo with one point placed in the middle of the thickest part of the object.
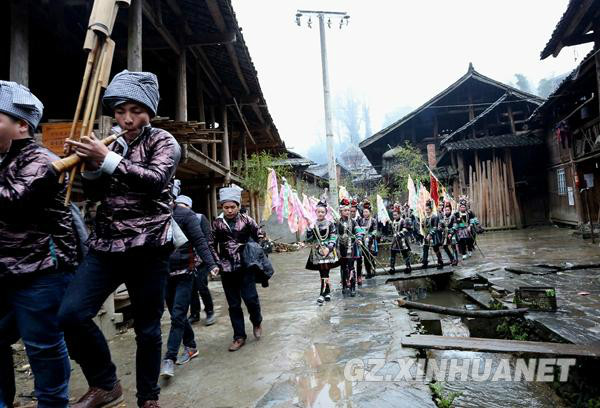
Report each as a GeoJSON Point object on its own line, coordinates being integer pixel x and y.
{"type": "Point", "coordinates": [233, 193]}
{"type": "Point", "coordinates": [17, 100]}
{"type": "Point", "coordinates": [183, 199]}
{"type": "Point", "coordinates": [140, 87]}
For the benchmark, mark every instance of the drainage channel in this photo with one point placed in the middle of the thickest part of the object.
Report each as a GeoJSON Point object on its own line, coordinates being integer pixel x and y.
{"type": "Point", "coordinates": [471, 392]}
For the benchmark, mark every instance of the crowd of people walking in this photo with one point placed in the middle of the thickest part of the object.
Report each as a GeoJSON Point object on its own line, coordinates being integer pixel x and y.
{"type": "Point", "coordinates": [353, 240]}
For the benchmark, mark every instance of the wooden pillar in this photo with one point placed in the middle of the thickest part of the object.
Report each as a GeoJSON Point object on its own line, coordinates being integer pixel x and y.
{"type": "Point", "coordinates": [511, 118]}
{"type": "Point", "coordinates": [225, 147]}
{"type": "Point", "coordinates": [245, 150]}
{"type": "Point", "coordinates": [461, 172]}
{"type": "Point", "coordinates": [214, 205]}
{"type": "Point", "coordinates": [213, 151]}
{"type": "Point", "coordinates": [201, 111]}
{"type": "Point", "coordinates": [134, 36]}
{"type": "Point", "coordinates": [208, 204]}
{"type": "Point", "coordinates": [19, 42]}
{"type": "Point", "coordinates": [181, 102]}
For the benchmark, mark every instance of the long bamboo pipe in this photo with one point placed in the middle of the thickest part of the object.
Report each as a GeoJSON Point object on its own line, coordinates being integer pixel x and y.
{"type": "Point", "coordinates": [69, 162]}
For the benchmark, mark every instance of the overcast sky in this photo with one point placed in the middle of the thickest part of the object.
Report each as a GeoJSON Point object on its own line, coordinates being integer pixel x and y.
{"type": "Point", "coordinates": [394, 53]}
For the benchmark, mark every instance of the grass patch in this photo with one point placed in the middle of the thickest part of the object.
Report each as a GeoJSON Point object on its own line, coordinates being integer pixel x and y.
{"type": "Point", "coordinates": [442, 398]}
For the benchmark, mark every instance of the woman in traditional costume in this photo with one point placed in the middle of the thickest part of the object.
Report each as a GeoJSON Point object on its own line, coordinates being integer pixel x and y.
{"type": "Point", "coordinates": [323, 254]}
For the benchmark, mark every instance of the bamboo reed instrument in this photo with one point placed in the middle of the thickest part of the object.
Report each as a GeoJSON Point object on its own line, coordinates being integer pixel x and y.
{"type": "Point", "coordinates": [72, 161]}
{"type": "Point", "coordinates": [96, 76]}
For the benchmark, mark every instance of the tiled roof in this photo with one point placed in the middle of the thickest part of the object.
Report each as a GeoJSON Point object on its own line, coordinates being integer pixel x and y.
{"type": "Point", "coordinates": [575, 7]}
{"type": "Point", "coordinates": [495, 142]}
{"type": "Point", "coordinates": [476, 119]}
{"type": "Point", "coordinates": [471, 73]}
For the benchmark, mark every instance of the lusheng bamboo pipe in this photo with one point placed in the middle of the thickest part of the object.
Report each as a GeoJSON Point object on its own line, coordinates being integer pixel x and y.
{"type": "Point", "coordinates": [68, 163]}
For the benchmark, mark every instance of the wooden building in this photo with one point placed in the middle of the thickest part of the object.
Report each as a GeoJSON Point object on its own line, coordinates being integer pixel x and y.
{"type": "Point", "coordinates": [474, 134]}
{"type": "Point", "coordinates": [571, 122]}
{"type": "Point", "coordinates": [211, 99]}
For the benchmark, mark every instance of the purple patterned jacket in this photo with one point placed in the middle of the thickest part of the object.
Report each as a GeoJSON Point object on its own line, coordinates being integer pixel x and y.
{"type": "Point", "coordinates": [36, 229]}
{"type": "Point", "coordinates": [229, 244]}
{"type": "Point", "coordinates": [134, 208]}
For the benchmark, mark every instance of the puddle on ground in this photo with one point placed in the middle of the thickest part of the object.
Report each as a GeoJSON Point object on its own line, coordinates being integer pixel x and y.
{"type": "Point", "coordinates": [325, 386]}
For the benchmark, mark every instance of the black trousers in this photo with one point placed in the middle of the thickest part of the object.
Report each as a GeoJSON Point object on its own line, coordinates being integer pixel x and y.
{"type": "Point", "coordinates": [405, 256]}
{"type": "Point", "coordinates": [325, 284]}
{"type": "Point", "coordinates": [347, 272]}
{"type": "Point", "coordinates": [240, 285]}
{"type": "Point", "coordinates": [178, 295]}
{"type": "Point", "coordinates": [436, 250]}
{"type": "Point", "coordinates": [451, 252]}
{"type": "Point", "coordinates": [466, 244]}
{"type": "Point", "coordinates": [144, 272]}
{"type": "Point", "coordinates": [201, 287]}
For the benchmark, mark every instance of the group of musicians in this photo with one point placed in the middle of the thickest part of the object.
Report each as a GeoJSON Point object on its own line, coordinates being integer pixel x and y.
{"type": "Point", "coordinates": [50, 289]}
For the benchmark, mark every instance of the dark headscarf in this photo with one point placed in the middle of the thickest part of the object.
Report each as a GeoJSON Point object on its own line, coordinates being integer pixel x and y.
{"type": "Point", "coordinates": [139, 87]}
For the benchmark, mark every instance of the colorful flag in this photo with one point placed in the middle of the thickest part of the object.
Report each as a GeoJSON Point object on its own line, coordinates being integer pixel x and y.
{"type": "Point", "coordinates": [433, 182]}
{"type": "Point", "coordinates": [286, 199]}
{"type": "Point", "coordinates": [382, 214]}
{"type": "Point", "coordinates": [412, 193]}
{"type": "Point", "coordinates": [343, 193]}
{"type": "Point", "coordinates": [292, 217]}
{"type": "Point", "coordinates": [272, 195]}
{"type": "Point", "coordinates": [282, 204]}
{"type": "Point", "coordinates": [306, 211]}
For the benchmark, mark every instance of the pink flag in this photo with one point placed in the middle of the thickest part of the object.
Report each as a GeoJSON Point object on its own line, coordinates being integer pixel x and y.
{"type": "Point", "coordinates": [310, 217]}
{"type": "Point", "coordinates": [279, 208]}
{"type": "Point", "coordinates": [274, 189]}
{"type": "Point", "coordinates": [272, 195]}
{"type": "Point", "coordinates": [292, 212]}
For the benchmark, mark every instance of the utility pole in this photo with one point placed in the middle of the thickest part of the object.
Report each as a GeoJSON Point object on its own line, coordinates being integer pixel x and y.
{"type": "Point", "coordinates": [331, 164]}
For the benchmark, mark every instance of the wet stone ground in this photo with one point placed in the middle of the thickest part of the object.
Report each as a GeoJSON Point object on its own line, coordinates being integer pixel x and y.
{"type": "Point", "coordinates": [301, 358]}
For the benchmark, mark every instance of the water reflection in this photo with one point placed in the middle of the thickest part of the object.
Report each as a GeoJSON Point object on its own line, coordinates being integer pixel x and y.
{"type": "Point", "coordinates": [325, 386]}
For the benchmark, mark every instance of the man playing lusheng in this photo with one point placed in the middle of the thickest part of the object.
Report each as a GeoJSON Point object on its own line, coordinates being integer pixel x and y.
{"type": "Point", "coordinates": [37, 252]}
{"type": "Point", "coordinates": [130, 243]}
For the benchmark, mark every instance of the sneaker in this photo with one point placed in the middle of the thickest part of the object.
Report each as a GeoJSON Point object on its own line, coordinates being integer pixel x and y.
{"type": "Point", "coordinates": [464, 257]}
{"type": "Point", "coordinates": [469, 254]}
{"type": "Point", "coordinates": [187, 355]}
{"type": "Point", "coordinates": [237, 344]}
{"type": "Point", "coordinates": [352, 292]}
{"type": "Point", "coordinates": [392, 270]}
{"type": "Point", "coordinates": [194, 318]}
{"type": "Point", "coordinates": [97, 397]}
{"type": "Point", "coordinates": [168, 368]}
{"type": "Point", "coordinates": [327, 297]}
{"type": "Point", "coordinates": [210, 319]}
{"type": "Point", "coordinates": [320, 299]}
{"type": "Point", "coordinates": [408, 269]}
{"type": "Point", "coordinates": [151, 404]}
